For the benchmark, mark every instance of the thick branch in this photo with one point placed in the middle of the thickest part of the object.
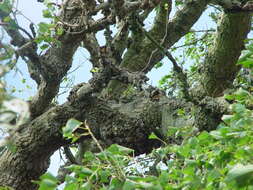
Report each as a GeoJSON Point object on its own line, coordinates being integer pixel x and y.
{"type": "Point", "coordinates": [58, 59]}
{"type": "Point", "coordinates": [17, 38]}
{"type": "Point", "coordinates": [181, 24]}
{"type": "Point", "coordinates": [26, 47]}
{"type": "Point", "coordinates": [36, 141]}
{"type": "Point", "coordinates": [117, 6]}
{"type": "Point", "coordinates": [138, 55]}
{"type": "Point", "coordinates": [219, 68]}
{"type": "Point", "coordinates": [136, 58]}
{"type": "Point", "coordinates": [178, 27]}
{"type": "Point", "coordinates": [91, 44]}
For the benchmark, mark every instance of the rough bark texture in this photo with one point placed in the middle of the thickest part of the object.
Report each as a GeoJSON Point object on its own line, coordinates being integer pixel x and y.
{"type": "Point", "coordinates": [114, 116]}
{"type": "Point", "coordinates": [219, 68]}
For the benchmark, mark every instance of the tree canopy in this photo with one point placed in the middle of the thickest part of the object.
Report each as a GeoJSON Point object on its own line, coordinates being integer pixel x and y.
{"type": "Point", "coordinates": [192, 131]}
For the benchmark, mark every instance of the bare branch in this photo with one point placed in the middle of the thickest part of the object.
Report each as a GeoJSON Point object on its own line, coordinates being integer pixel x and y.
{"type": "Point", "coordinates": [101, 7]}
{"type": "Point", "coordinates": [70, 156]}
{"type": "Point", "coordinates": [117, 5]}
{"type": "Point", "coordinates": [193, 42]}
{"type": "Point", "coordinates": [120, 39]}
{"type": "Point", "coordinates": [181, 76]}
{"type": "Point", "coordinates": [27, 48]}
{"type": "Point", "coordinates": [17, 38]}
{"type": "Point", "coordinates": [181, 24]}
{"type": "Point", "coordinates": [141, 48]}
{"type": "Point", "coordinates": [91, 44]}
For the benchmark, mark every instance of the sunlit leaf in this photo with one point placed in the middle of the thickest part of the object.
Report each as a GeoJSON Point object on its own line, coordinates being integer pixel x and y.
{"type": "Point", "coordinates": [153, 136]}
{"type": "Point", "coordinates": [117, 149]}
{"type": "Point", "coordinates": [242, 174]}
{"type": "Point", "coordinates": [70, 127]}
{"type": "Point", "coordinates": [129, 185]}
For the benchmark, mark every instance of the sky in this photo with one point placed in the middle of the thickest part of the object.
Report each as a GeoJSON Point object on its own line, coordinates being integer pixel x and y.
{"type": "Point", "coordinates": [31, 10]}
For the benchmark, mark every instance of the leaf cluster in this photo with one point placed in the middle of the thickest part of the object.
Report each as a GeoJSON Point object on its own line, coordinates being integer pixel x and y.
{"type": "Point", "coordinates": [220, 159]}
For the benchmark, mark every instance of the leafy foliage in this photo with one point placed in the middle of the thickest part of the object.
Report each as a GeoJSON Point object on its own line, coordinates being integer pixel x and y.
{"type": "Point", "coordinates": [220, 159]}
{"type": "Point", "coordinates": [48, 32]}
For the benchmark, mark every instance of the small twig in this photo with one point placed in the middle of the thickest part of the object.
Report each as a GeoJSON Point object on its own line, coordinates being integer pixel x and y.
{"type": "Point", "coordinates": [192, 43]}
{"type": "Point", "coordinates": [93, 137]}
{"type": "Point", "coordinates": [70, 156]}
{"type": "Point", "coordinates": [209, 30]}
{"type": "Point", "coordinates": [118, 168]}
{"type": "Point", "coordinates": [27, 33]}
{"type": "Point", "coordinates": [18, 27]}
{"type": "Point", "coordinates": [108, 36]}
{"type": "Point", "coordinates": [31, 26]}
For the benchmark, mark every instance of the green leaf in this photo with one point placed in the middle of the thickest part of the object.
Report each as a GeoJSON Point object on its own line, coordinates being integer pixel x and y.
{"type": "Point", "coordinates": [5, 188]}
{"type": "Point", "coordinates": [95, 70]}
{"type": "Point", "coordinates": [238, 108]}
{"type": "Point", "coordinates": [71, 186]}
{"type": "Point", "coordinates": [185, 150]}
{"type": "Point", "coordinates": [44, 46]}
{"type": "Point", "coordinates": [88, 156]}
{"type": "Point", "coordinates": [48, 176]}
{"type": "Point", "coordinates": [164, 178]}
{"type": "Point", "coordinates": [43, 27]}
{"type": "Point", "coordinates": [47, 13]}
{"type": "Point", "coordinates": [204, 138]}
{"type": "Point", "coordinates": [59, 31]}
{"type": "Point", "coordinates": [70, 127]}
{"type": "Point", "coordinates": [216, 134]}
{"type": "Point", "coordinates": [104, 176]}
{"type": "Point", "coordinates": [86, 186]}
{"type": "Point", "coordinates": [7, 19]}
{"type": "Point", "coordinates": [158, 65]}
{"type": "Point", "coordinates": [11, 147]}
{"type": "Point", "coordinates": [213, 175]}
{"type": "Point", "coordinates": [129, 185]}
{"type": "Point", "coordinates": [117, 149]}
{"type": "Point", "coordinates": [80, 169]}
{"type": "Point", "coordinates": [229, 96]}
{"type": "Point", "coordinates": [48, 182]}
{"type": "Point", "coordinates": [5, 6]}
{"type": "Point", "coordinates": [70, 179]}
{"type": "Point", "coordinates": [243, 175]}
{"type": "Point", "coordinates": [180, 112]}
{"type": "Point", "coordinates": [247, 63]}
{"type": "Point", "coordinates": [153, 136]}
{"type": "Point", "coordinates": [227, 118]}
{"type": "Point", "coordinates": [116, 184]}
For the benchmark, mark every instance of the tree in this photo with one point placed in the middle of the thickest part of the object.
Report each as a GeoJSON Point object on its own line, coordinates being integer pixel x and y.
{"type": "Point", "coordinates": [114, 106]}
